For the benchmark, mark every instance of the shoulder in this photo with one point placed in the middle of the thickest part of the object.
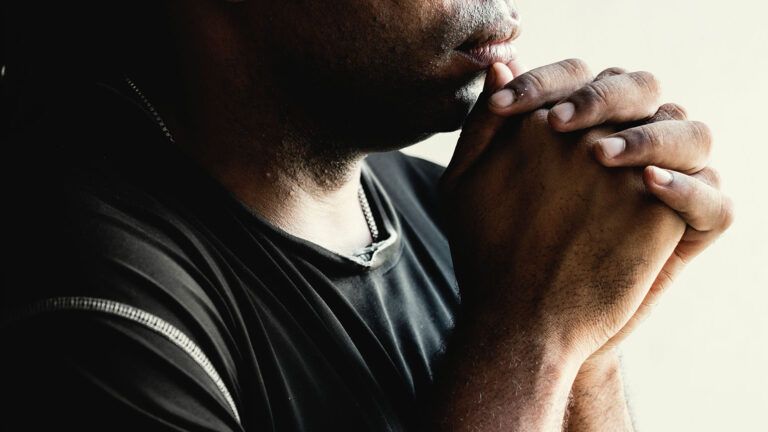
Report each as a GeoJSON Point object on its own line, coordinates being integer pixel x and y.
{"type": "Point", "coordinates": [115, 289]}
{"type": "Point", "coordinates": [98, 261]}
{"type": "Point", "coordinates": [93, 213]}
{"type": "Point", "coordinates": [91, 235]}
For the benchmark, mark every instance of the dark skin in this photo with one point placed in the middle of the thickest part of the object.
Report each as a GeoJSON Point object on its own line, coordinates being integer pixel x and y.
{"type": "Point", "coordinates": [281, 101]}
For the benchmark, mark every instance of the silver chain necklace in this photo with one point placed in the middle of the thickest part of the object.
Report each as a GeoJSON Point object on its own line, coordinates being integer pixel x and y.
{"type": "Point", "coordinates": [364, 205]}
{"type": "Point", "coordinates": [151, 109]}
{"type": "Point", "coordinates": [368, 213]}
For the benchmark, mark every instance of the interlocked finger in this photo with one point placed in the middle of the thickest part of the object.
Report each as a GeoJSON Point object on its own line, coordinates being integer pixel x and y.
{"type": "Point", "coordinates": [673, 144]}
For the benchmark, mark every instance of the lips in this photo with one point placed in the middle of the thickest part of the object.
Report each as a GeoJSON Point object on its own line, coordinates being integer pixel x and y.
{"type": "Point", "coordinates": [491, 44]}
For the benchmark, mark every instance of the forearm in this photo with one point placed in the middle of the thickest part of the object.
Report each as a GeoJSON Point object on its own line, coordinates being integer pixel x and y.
{"type": "Point", "coordinates": [598, 402]}
{"type": "Point", "coordinates": [495, 379]}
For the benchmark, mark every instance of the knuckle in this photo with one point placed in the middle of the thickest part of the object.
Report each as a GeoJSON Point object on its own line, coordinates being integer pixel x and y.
{"type": "Point", "coordinates": [689, 201]}
{"type": "Point", "coordinates": [703, 135]}
{"type": "Point", "coordinates": [674, 111]}
{"type": "Point", "coordinates": [594, 97]}
{"type": "Point", "coordinates": [712, 177]}
{"type": "Point", "coordinates": [611, 72]}
{"type": "Point", "coordinates": [540, 117]}
{"type": "Point", "coordinates": [646, 139]}
{"type": "Point", "coordinates": [655, 138]}
{"type": "Point", "coordinates": [647, 82]}
{"type": "Point", "coordinates": [727, 214]}
{"type": "Point", "coordinates": [697, 204]}
{"type": "Point", "coordinates": [530, 84]}
{"type": "Point", "coordinates": [536, 120]}
{"type": "Point", "coordinates": [576, 67]}
{"type": "Point", "coordinates": [591, 136]}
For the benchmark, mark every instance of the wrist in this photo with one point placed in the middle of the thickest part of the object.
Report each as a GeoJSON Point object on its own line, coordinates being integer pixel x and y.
{"type": "Point", "coordinates": [599, 367]}
{"type": "Point", "coordinates": [598, 400]}
{"type": "Point", "coordinates": [525, 379]}
{"type": "Point", "coordinates": [545, 380]}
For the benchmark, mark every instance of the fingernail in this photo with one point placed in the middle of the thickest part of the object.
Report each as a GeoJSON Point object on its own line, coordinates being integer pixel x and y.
{"type": "Point", "coordinates": [502, 98]}
{"type": "Point", "coordinates": [612, 147]}
{"type": "Point", "coordinates": [661, 177]}
{"type": "Point", "coordinates": [564, 112]}
{"type": "Point", "coordinates": [502, 73]}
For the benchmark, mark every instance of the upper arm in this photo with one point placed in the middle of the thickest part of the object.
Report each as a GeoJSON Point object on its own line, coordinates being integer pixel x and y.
{"type": "Point", "coordinates": [86, 370]}
{"type": "Point", "coordinates": [99, 370]}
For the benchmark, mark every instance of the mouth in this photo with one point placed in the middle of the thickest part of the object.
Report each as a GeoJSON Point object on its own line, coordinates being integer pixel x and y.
{"type": "Point", "coordinates": [491, 45]}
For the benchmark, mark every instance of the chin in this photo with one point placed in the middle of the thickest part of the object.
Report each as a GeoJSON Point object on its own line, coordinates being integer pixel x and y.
{"type": "Point", "coordinates": [400, 123]}
{"type": "Point", "coordinates": [447, 113]}
{"type": "Point", "coordinates": [417, 127]}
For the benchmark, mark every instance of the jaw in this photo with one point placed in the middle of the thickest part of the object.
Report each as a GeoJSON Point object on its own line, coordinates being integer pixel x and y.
{"type": "Point", "coordinates": [406, 119]}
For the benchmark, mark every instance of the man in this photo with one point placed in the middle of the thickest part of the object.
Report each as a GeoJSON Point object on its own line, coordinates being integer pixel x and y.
{"type": "Point", "coordinates": [219, 237]}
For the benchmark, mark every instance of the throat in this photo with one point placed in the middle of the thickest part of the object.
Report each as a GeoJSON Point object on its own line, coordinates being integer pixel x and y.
{"type": "Point", "coordinates": [331, 210]}
{"type": "Point", "coordinates": [342, 223]}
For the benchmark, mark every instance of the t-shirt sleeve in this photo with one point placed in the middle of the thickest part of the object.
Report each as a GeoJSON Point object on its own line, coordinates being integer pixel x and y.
{"type": "Point", "coordinates": [110, 322]}
{"type": "Point", "coordinates": [87, 370]}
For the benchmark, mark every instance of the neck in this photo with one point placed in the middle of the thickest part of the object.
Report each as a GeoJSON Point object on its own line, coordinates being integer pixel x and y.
{"type": "Point", "coordinates": [267, 152]}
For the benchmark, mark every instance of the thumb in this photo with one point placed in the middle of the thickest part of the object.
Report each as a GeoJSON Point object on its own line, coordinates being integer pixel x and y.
{"type": "Point", "coordinates": [480, 126]}
{"type": "Point", "coordinates": [517, 68]}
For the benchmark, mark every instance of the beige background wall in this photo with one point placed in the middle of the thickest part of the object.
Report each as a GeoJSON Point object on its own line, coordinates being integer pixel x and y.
{"type": "Point", "coordinates": [700, 363]}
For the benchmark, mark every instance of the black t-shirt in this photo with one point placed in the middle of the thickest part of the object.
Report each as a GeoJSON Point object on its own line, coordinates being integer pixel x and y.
{"type": "Point", "coordinates": [139, 294]}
